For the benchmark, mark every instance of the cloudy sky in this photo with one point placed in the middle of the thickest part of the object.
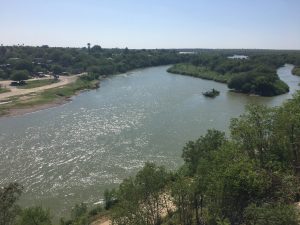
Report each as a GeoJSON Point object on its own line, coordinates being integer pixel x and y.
{"type": "Point", "coordinates": [268, 24]}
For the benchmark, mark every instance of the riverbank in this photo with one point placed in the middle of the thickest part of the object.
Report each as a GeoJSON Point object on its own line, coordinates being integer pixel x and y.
{"type": "Point", "coordinates": [296, 70]}
{"type": "Point", "coordinates": [200, 72]}
{"type": "Point", "coordinates": [102, 137]}
{"type": "Point", "coordinates": [257, 79]}
{"type": "Point", "coordinates": [32, 100]}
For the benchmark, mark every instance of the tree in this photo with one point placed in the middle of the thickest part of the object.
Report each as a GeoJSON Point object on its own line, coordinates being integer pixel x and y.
{"type": "Point", "coordinates": [9, 195]}
{"type": "Point", "coordinates": [110, 198]}
{"type": "Point", "coordinates": [79, 216]}
{"type": "Point", "coordinates": [183, 198]}
{"type": "Point", "coordinates": [24, 65]}
{"type": "Point", "coordinates": [287, 132]}
{"type": "Point", "coordinates": [275, 214]}
{"type": "Point", "coordinates": [253, 131]}
{"type": "Point", "coordinates": [89, 47]}
{"type": "Point", "coordinates": [20, 75]}
{"type": "Point", "coordinates": [3, 75]}
{"type": "Point", "coordinates": [202, 148]}
{"type": "Point", "coordinates": [96, 49]}
{"type": "Point", "coordinates": [141, 199]}
{"type": "Point", "coordinates": [35, 216]}
{"type": "Point", "coordinates": [57, 69]}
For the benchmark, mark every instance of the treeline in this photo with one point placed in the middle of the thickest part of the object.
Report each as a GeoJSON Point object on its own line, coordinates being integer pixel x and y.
{"type": "Point", "coordinates": [250, 178]}
{"type": "Point", "coordinates": [296, 70]}
{"type": "Point", "coordinates": [256, 75]}
{"type": "Point", "coordinates": [34, 60]}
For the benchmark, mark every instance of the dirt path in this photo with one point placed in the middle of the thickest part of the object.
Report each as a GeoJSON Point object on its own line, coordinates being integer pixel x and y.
{"type": "Point", "coordinates": [103, 221]}
{"type": "Point", "coordinates": [14, 91]}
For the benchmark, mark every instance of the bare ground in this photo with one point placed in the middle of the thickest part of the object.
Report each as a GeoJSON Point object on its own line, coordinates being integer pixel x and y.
{"type": "Point", "coordinates": [14, 91]}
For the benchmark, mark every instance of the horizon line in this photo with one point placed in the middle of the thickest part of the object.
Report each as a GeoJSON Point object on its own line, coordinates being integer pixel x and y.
{"type": "Point", "coordinates": [188, 48]}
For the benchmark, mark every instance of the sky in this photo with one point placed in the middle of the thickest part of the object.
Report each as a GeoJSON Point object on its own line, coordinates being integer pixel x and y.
{"type": "Point", "coordinates": [255, 24]}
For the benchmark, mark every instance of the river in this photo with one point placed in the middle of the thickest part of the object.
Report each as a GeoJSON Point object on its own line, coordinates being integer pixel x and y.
{"type": "Point", "coordinates": [71, 153]}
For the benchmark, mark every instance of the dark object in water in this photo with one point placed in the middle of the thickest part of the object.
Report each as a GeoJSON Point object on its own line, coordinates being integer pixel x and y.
{"type": "Point", "coordinates": [213, 93]}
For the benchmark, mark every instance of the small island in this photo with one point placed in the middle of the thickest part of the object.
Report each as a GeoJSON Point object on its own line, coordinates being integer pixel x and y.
{"type": "Point", "coordinates": [212, 93]}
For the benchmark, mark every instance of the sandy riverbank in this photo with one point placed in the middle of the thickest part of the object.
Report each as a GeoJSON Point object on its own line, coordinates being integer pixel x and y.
{"type": "Point", "coordinates": [23, 101]}
{"type": "Point", "coordinates": [23, 111]}
{"type": "Point", "coordinates": [14, 91]}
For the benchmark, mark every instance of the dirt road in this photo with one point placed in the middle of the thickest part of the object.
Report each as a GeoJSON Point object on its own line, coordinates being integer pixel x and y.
{"type": "Point", "coordinates": [14, 91]}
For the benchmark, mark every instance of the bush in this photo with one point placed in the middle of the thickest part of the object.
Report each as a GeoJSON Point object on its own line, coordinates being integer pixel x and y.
{"type": "Point", "coordinates": [20, 75]}
{"type": "Point", "coordinates": [95, 211]}
{"type": "Point", "coordinates": [271, 214]}
{"type": "Point", "coordinates": [34, 215]}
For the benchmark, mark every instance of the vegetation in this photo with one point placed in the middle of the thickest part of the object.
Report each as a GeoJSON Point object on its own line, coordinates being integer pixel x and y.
{"type": "Point", "coordinates": [22, 62]}
{"type": "Point", "coordinates": [8, 207]}
{"type": "Point", "coordinates": [13, 214]}
{"type": "Point", "coordinates": [296, 70]}
{"type": "Point", "coordinates": [3, 90]}
{"type": "Point", "coordinates": [38, 83]}
{"type": "Point", "coordinates": [251, 178]}
{"type": "Point", "coordinates": [253, 75]}
{"type": "Point", "coordinates": [256, 75]}
{"type": "Point", "coordinates": [48, 96]}
{"type": "Point", "coordinates": [19, 75]}
{"type": "Point", "coordinates": [35, 60]}
{"type": "Point", "coordinates": [198, 71]}
{"type": "Point", "coordinates": [34, 216]}
{"type": "Point", "coordinates": [212, 93]}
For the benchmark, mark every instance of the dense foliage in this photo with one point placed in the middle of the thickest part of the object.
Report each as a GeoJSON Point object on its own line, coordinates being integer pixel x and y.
{"type": "Point", "coordinates": [250, 178]}
{"type": "Point", "coordinates": [8, 207]}
{"type": "Point", "coordinates": [296, 71]}
{"type": "Point", "coordinates": [97, 60]}
{"type": "Point", "coordinates": [256, 75]}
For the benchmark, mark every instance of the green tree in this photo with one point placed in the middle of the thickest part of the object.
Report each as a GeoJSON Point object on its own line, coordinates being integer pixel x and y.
{"type": "Point", "coordinates": [24, 65]}
{"type": "Point", "coordinates": [34, 216]}
{"type": "Point", "coordinates": [287, 133]}
{"type": "Point", "coordinates": [110, 198]}
{"type": "Point", "coordinates": [275, 214]}
{"type": "Point", "coordinates": [20, 75]}
{"type": "Point", "coordinates": [202, 148]}
{"type": "Point", "coordinates": [141, 200]}
{"type": "Point", "coordinates": [183, 198]}
{"type": "Point", "coordinates": [9, 195]}
{"type": "Point", "coordinates": [57, 69]}
{"type": "Point", "coordinates": [253, 132]}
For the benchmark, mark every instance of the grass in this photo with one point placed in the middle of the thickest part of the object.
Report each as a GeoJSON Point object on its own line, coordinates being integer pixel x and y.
{"type": "Point", "coordinates": [3, 90]}
{"type": "Point", "coordinates": [38, 83]}
{"type": "Point", "coordinates": [200, 72]}
{"type": "Point", "coordinates": [47, 96]}
{"type": "Point", "coordinates": [296, 70]}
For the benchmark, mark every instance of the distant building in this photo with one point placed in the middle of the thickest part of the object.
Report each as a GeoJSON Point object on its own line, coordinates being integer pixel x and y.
{"type": "Point", "coordinates": [187, 53]}
{"type": "Point", "coordinates": [238, 57]}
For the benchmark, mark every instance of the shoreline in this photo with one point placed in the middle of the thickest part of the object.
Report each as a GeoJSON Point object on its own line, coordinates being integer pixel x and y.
{"type": "Point", "coordinates": [56, 102]}
{"type": "Point", "coordinates": [23, 111]}
{"type": "Point", "coordinates": [19, 111]}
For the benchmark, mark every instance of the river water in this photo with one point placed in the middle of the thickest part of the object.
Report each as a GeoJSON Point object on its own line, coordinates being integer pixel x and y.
{"type": "Point", "coordinates": [71, 153]}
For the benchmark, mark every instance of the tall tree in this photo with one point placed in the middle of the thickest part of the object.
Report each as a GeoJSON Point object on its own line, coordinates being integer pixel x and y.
{"type": "Point", "coordinates": [9, 209]}
{"type": "Point", "coordinates": [35, 216]}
